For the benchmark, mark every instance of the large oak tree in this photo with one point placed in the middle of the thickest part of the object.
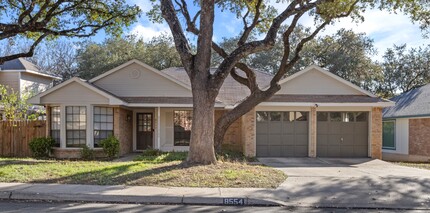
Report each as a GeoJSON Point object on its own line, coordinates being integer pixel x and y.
{"type": "Point", "coordinates": [258, 18]}
{"type": "Point", "coordinates": [37, 20]}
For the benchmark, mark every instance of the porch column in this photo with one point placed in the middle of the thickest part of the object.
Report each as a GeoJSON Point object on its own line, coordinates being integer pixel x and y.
{"type": "Point", "coordinates": [376, 133]}
{"type": "Point", "coordinates": [313, 133]}
{"type": "Point", "coordinates": [47, 120]}
{"type": "Point", "coordinates": [158, 128]}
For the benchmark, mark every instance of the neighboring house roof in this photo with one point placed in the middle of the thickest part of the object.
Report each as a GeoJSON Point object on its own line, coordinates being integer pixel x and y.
{"type": "Point", "coordinates": [414, 103]}
{"type": "Point", "coordinates": [22, 65]}
{"type": "Point", "coordinates": [231, 91]}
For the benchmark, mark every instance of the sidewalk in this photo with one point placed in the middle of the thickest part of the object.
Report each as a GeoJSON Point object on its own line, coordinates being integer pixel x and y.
{"type": "Point", "coordinates": [136, 194]}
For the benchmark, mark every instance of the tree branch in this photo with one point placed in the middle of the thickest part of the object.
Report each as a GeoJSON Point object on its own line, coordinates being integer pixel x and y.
{"type": "Point", "coordinates": [29, 53]}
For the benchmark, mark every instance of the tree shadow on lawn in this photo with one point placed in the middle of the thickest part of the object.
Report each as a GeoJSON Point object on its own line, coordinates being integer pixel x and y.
{"type": "Point", "coordinates": [116, 175]}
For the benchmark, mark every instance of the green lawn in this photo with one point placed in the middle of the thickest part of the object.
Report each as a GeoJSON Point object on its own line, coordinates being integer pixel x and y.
{"type": "Point", "coordinates": [163, 170]}
{"type": "Point", "coordinates": [416, 165]}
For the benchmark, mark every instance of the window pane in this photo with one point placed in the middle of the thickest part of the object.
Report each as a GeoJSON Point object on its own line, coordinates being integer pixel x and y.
{"type": "Point", "coordinates": [322, 116]}
{"type": "Point", "coordinates": [301, 116]}
{"type": "Point", "coordinates": [275, 116]}
{"type": "Point", "coordinates": [388, 135]}
{"type": "Point", "coordinates": [76, 126]}
{"type": "Point", "coordinates": [361, 116]}
{"type": "Point", "coordinates": [103, 122]}
{"type": "Point", "coordinates": [182, 127]}
{"type": "Point", "coordinates": [262, 116]}
{"type": "Point", "coordinates": [288, 116]}
{"type": "Point", "coordinates": [335, 116]}
{"type": "Point", "coordinates": [347, 117]}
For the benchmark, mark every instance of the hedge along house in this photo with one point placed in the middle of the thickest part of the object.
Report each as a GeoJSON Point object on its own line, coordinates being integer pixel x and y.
{"type": "Point", "coordinates": [316, 113]}
{"type": "Point", "coordinates": [406, 127]}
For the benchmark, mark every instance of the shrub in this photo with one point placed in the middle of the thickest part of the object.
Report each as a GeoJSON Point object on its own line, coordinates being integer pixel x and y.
{"type": "Point", "coordinates": [87, 153]}
{"type": "Point", "coordinates": [110, 146]}
{"type": "Point", "coordinates": [152, 152]}
{"type": "Point", "coordinates": [41, 147]}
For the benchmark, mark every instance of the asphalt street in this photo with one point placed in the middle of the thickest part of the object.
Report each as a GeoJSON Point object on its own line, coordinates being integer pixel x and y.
{"type": "Point", "coordinates": [36, 207]}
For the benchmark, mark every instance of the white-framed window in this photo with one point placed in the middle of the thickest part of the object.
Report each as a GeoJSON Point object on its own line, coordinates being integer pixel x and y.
{"type": "Point", "coordinates": [103, 123]}
{"type": "Point", "coordinates": [182, 127]}
{"type": "Point", "coordinates": [76, 126]}
{"type": "Point", "coordinates": [389, 134]}
{"type": "Point", "coordinates": [55, 124]}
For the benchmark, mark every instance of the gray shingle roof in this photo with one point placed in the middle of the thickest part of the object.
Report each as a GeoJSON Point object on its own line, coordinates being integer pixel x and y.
{"type": "Point", "coordinates": [19, 64]}
{"type": "Point", "coordinates": [231, 91]}
{"type": "Point", "coordinates": [410, 104]}
{"type": "Point", "coordinates": [326, 99]}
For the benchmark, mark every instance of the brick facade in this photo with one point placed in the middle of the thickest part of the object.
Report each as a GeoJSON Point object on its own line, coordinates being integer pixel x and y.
{"type": "Point", "coordinates": [74, 153]}
{"type": "Point", "coordinates": [419, 137]}
{"type": "Point", "coordinates": [123, 129]}
{"type": "Point", "coordinates": [313, 133]}
{"type": "Point", "coordinates": [248, 134]}
{"type": "Point", "coordinates": [232, 138]}
{"type": "Point", "coordinates": [376, 133]}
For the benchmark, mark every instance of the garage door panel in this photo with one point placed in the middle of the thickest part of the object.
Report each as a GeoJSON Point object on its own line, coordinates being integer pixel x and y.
{"type": "Point", "coordinates": [322, 127]}
{"type": "Point", "coordinates": [274, 139]}
{"type": "Point", "coordinates": [361, 140]}
{"type": "Point", "coordinates": [360, 151]}
{"type": "Point", "coordinates": [288, 127]}
{"type": "Point", "coordinates": [361, 128]}
{"type": "Point", "coordinates": [261, 139]}
{"type": "Point", "coordinates": [275, 127]}
{"type": "Point", "coordinates": [275, 151]}
{"type": "Point", "coordinates": [280, 136]}
{"type": "Point", "coordinates": [301, 151]}
{"type": "Point", "coordinates": [334, 127]}
{"type": "Point", "coordinates": [288, 139]}
{"type": "Point", "coordinates": [262, 127]}
{"type": "Point", "coordinates": [333, 151]}
{"type": "Point", "coordinates": [347, 128]}
{"type": "Point", "coordinates": [346, 151]}
{"type": "Point", "coordinates": [301, 127]}
{"type": "Point", "coordinates": [333, 140]}
{"type": "Point", "coordinates": [262, 151]}
{"type": "Point", "coordinates": [348, 140]}
{"type": "Point", "coordinates": [322, 151]}
{"type": "Point", "coordinates": [322, 140]}
{"type": "Point", "coordinates": [301, 140]}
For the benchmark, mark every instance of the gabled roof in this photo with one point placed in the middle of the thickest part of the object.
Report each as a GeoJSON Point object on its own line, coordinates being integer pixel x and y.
{"type": "Point", "coordinates": [22, 65]}
{"type": "Point", "coordinates": [143, 65]}
{"type": "Point", "coordinates": [328, 73]}
{"type": "Point", "coordinates": [414, 103]}
{"type": "Point", "coordinates": [112, 99]}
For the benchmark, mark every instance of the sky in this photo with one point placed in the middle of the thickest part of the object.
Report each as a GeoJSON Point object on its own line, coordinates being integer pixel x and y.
{"type": "Point", "coordinates": [384, 28]}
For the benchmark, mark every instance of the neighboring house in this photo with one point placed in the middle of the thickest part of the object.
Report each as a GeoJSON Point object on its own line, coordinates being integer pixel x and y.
{"type": "Point", "coordinates": [316, 113]}
{"type": "Point", "coordinates": [24, 77]}
{"type": "Point", "coordinates": [407, 127]}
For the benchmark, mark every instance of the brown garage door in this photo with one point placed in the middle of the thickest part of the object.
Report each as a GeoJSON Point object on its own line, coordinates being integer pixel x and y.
{"type": "Point", "coordinates": [342, 134]}
{"type": "Point", "coordinates": [282, 134]}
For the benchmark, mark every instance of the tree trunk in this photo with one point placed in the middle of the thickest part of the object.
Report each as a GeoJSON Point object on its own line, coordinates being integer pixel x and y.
{"type": "Point", "coordinates": [202, 130]}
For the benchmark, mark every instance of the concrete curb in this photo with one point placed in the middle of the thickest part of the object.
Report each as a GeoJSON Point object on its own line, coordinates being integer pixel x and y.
{"type": "Point", "coordinates": [166, 200]}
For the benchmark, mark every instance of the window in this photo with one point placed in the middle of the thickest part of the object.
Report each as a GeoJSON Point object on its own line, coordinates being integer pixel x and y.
{"type": "Point", "coordinates": [55, 125]}
{"type": "Point", "coordinates": [361, 116]}
{"type": "Point", "coordinates": [335, 116]}
{"type": "Point", "coordinates": [262, 116]}
{"type": "Point", "coordinates": [388, 134]}
{"type": "Point", "coordinates": [289, 116]}
{"type": "Point", "coordinates": [76, 125]}
{"type": "Point", "coordinates": [182, 127]}
{"type": "Point", "coordinates": [301, 116]}
{"type": "Point", "coordinates": [322, 116]}
{"type": "Point", "coordinates": [275, 116]}
{"type": "Point", "coordinates": [103, 124]}
{"type": "Point", "coordinates": [347, 117]}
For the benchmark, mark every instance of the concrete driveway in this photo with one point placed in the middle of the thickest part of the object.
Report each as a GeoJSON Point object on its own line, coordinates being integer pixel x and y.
{"type": "Point", "coordinates": [351, 183]}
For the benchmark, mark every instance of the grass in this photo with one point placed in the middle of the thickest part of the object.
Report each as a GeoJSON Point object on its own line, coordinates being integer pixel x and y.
{"type": "Point", "coordinates": [164, 169]}
{"type": "Point", "coordinates": [415, 165]}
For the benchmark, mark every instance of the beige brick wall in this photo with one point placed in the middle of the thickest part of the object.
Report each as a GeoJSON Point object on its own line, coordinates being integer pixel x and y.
{"type": "Point", "coordinates": [248, 134]}
{"type": "Point", "coordinates": [74, 153]}
{"type": "Point", "coordinates": [232, 138]}
{"type": "Point", "coordinates": [123, 129]}
{"type": "Point", "coordinates": [376, 133]}
{"type": "Point", "coordinates": [419, 137]}
{"type": "Point", "coordinates": [313, 133]}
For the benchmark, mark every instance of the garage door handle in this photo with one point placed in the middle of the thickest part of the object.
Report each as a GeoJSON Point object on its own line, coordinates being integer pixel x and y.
{"type": "Point", "coordinates": [341, 140]}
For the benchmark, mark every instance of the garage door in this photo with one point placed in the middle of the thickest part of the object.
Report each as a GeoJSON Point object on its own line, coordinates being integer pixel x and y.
{"type": "Point", "coordinates": [342, 134]}
{"type": "Point", "coordinates": [282, 134]}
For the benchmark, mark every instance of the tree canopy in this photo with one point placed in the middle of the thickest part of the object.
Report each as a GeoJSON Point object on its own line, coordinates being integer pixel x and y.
{"type": "Point", "coordinates": [37, 20]}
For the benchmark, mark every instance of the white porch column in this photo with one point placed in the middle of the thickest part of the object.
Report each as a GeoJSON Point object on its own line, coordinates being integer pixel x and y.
{"type": "Point", "coordinates": [158, 129]}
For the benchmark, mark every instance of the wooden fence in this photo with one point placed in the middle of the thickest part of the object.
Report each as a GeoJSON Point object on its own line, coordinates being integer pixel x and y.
{"type": "Point", "coordinates": [15, 136]}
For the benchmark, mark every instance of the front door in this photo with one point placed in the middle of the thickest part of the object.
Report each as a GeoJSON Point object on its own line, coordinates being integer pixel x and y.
{"type": "Point", "coordinates": [144, 137]}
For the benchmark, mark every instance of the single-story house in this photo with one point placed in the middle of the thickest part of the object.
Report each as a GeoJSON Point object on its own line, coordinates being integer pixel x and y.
{"type": "Point", "coordinates": [406, 126]}
{"type": "Point", "coordinates": [316, 113]}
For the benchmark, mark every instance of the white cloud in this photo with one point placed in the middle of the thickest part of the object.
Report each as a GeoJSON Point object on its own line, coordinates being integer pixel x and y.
{"type": "Point", "coordinates": [149, 31]}
{"type": "Point", "coordinates": [144, 5]}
